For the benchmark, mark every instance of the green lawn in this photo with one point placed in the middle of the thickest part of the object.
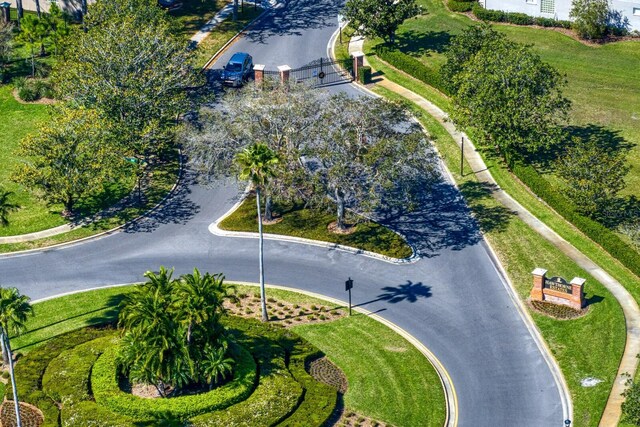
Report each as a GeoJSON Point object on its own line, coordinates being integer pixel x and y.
{"type": "Point", "coordinates": [312, 224]}
{"type": "Point", "coordinates": [388, 377]}
{"type": "Point", "coordinates": [603, 81]}
{"type": "Point", "coordinates": [194, 14]}
{"type": "Point", "coordinates": [520, 250]}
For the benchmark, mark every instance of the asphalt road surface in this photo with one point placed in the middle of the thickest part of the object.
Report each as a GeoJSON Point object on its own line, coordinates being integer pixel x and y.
{"type": "Point", "coordinates": [453, 300]}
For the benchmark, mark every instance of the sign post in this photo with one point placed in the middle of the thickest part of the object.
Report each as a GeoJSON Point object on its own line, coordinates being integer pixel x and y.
{"type": "Point", "coordinates": [347, 287]}
{"type": "Point", "coordinates": [462, 157]}
{"type": "Point", "coordinates": [340, 23]}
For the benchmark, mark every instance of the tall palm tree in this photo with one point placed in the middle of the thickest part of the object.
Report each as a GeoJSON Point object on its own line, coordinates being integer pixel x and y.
{"type": "Point", "coordinates": [14, 310]}
{"type": "Point", "coordinates": [200, 298]}
{"type": "Point", "coordinates": [6, 207]}
{"type": "Point", "coordinates": [257, 165]}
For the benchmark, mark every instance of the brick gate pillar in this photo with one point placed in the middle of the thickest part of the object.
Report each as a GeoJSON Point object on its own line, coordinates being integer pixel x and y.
{"type": "Point", "coordinates": [284, 70]}
{"type": "Point", "coordinates": [538, 284]}
{"type": "Point", "coordinates": [577, 293]}
{"type": "Point", "coordinates": [258, 74]}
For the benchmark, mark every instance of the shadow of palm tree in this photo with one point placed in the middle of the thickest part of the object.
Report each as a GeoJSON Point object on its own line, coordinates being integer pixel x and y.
{"type": "Point", "coordinates": [409, 292]}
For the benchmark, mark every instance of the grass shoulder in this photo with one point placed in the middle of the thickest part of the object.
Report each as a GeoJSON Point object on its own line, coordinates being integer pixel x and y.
{"type": "Point", "coordinates": [604, 324]}
{"type": "Point", "coordinates": [312, 223]}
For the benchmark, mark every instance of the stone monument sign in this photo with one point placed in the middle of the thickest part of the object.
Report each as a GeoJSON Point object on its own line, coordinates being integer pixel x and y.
{"type": "Point", "coordinates": [556, 290]}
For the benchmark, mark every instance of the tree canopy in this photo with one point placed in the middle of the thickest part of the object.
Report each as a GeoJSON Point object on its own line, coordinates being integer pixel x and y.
{"type": "Point", "coordinates": [502, 91]}
{"type": "Point", "coordinates": [380, 18]}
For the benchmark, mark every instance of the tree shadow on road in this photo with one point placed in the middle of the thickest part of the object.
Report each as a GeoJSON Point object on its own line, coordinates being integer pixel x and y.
{"type": "Point", "coordinates": [176, 209]}
{"type": "Point", "coordinates": [294, 18]}
{"type": "Point", "coordinates": [439, 219]}
{"type": "Point", "coordinates": [409, 292]}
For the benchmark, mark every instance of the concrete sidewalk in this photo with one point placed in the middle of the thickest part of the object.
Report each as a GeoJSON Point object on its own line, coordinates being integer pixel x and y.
{"type": "Point", "coordinates": [629, 362]}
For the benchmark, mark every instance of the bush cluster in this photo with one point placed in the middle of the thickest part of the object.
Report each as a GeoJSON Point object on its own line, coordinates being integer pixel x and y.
{"type": "Point", "coordinates": [460, 5]}
{"type": "Point", "coordinates": [364, 75]}
{"type": "Point", "coordinates": [30, 90]}
{"type": "Point", "coordinates": [517, 18]}
{"type": "Point", "coordinates": [597, 232]}
{"type": "Point", "coordinates": [107, 392]}
{"type": "Point", "coordinates": [319, 398]}
{"type": "Point", "coordinates": [411, 66]}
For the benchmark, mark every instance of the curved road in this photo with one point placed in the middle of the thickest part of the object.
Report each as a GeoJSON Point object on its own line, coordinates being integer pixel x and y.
{"type": "Point", "coordinates": [453, 300]}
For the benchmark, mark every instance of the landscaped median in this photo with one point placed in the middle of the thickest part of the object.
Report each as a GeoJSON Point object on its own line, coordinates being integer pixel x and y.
{"type": "Point", "coordinates": [68, 357]}
{"type": "Point", "coordinates": [313, 224]}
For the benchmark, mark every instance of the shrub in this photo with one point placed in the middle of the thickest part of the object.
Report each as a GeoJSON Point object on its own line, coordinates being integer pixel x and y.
{"type": "Point", "coordinates": [28, 94]}
{"type": "Point", "coordinates": [104, 380]}
{"type": "Point", "coordinates": [597, 232]}
{"type": "Point", "coordinates": [85, 414]}
{"type": "Point", "coordinates": [30, 90]}
{"type": "Point", "coordinates": [411, 66]}
{"type": "Point", "coordinates": [459, 6]}
{"type": "Point", "coordinates": [364, 75]}
{"type": "Point", "coordinates": [488, 14]}
{"type": "Point", "coordinates": [319, 398]}
{"type": "Point", "coordinates": [32, 367]}
{"type": "Point", "coordinates": [519, 18]}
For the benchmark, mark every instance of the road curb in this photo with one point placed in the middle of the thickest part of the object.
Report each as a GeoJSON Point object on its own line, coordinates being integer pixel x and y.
{"type": "Point", "coordinates": [215, 229]}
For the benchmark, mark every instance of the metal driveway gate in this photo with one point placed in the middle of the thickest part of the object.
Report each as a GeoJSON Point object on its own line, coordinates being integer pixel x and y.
{"type": "Point", "coordinates": [322, 72]}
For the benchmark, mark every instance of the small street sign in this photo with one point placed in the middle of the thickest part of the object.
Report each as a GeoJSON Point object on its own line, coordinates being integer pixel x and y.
{"type": "Point", "coordinates": [348, 285]}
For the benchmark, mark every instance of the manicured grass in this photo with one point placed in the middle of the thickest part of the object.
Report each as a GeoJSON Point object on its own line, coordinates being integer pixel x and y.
{"type": "Point", "coordinates": [389, 379]}
{"type": "Point", "coordinates": [222, 33]}
{"type": "Point", "coordinates": [159, 184]}
{"type": "Point", "coordinates": [18, 120]}
{"type": "Point", "coordinates": [194, 14]}
{"type": "Point", "coordinates": [312, 224]}
{"type": "Point", "coordinates": [520, 250]}
{"type": "Point", "coordinates": [603, 81]}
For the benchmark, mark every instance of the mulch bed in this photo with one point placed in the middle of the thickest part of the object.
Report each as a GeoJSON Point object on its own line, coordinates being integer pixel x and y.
{"type": "Point", "coordinates": [283, 312]}
{"type": "Point", "coordinates": [557, 311]}
{"type": "Point", "coordinates": [30, 416]}
{"type": "Point", "coordinates": [326, 372]}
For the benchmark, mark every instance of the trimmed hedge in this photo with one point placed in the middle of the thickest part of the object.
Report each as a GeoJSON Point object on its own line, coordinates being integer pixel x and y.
{"type": "Point", "coordinates": [89, 414]}
{"type": "Point", "coordinates": [516, 18]}
{"type": "Point", "coordinates": [364, 74]}
{"type": "Point", "coordinates": [319, 398]}
{"type": "Point", "coordinates": [459, 6]}
{"type": "Point", "coordinates": [411, 66]}
{"type": "Point", "coordinates": [597, 232]}
{"type": "Point", "coordinates": [66, 379]}
{"type": "Point", "coordinates": [30, 369]}
{"type": "Point", "coordinates": [107, 392]}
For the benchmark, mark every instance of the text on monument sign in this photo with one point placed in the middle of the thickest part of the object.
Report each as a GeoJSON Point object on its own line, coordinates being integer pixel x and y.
{"type": "Point", "coordinates": [558, 284]}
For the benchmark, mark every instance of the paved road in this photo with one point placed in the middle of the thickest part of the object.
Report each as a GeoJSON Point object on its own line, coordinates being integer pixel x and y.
{"type": "Point", "coordinates": [453, 300]}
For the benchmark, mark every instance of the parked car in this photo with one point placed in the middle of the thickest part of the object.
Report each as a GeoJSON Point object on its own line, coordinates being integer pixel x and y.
{"type": "Point", "coordinates": [238, 70]}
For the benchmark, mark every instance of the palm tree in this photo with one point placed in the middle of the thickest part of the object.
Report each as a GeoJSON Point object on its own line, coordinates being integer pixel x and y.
{"type": "Point", "coordinates": [257, 164]}
{"type": "Point", "coordinates": [6, 207]}
{"type": "Point", "coordinates": [14, 310]}
{"type": "Point", "coordinates": [216, 365]}
{"type": "Point", "coordinates": [200, 299]}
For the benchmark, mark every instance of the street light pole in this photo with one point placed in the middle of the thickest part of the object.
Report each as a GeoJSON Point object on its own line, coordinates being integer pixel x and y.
{"type": "Point", "coordinates": [462, 157]}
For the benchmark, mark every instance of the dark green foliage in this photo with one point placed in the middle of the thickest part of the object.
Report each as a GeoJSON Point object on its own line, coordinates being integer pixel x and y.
{"type": "Point", "coordinates": [411, 66]}
{"type": "Point", "coordinates": [107, 392]}
{"type": "Point", "coordinates": [319, 398]}
{"type": "Point", "coordinates": [459, 6]}
{"type": "Point", "coordinates": [364, 75]}
{"type": "Point", "coordinates": [594, 230]}
{"type": "Point", "coordinates": [380, 18]}
{"type": "Point", "coordinates": [516, 18]}
{"type": "Point", "coordinates": [32, 367]}
{"type": "Point", "coordinates": [30, 90]}
{"type": "Point", "coordinates": [631, 404]}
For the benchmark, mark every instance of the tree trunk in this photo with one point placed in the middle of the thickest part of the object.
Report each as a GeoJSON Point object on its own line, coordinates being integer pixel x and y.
{"type": "Point", "coordinates": [263, 302]}
{"type": "Point", "coordinates": [340, 210]}
{"type": "Point", "coordinates": [38, 9]}
{"type": "Point", "coordinates": [68, 206]}
{"type": "Point", "coordinates": [268, 211]}
{"type": "Point", "coordinates": [6, 344]}
{"type": "Point", "coordinates": [33, 63]}
{"type": "Point", "coordinates": [235, 10]}
{"type": "Point", "coordinates": [189, 334]}
{"type": "Point", "coordinates": [42, 51]}
{"type": "Point", "coordinates": [5, 356]}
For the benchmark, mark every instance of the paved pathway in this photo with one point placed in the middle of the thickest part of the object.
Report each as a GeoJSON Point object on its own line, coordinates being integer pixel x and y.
{"type": "Point", "coordinates": [629, 362]}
